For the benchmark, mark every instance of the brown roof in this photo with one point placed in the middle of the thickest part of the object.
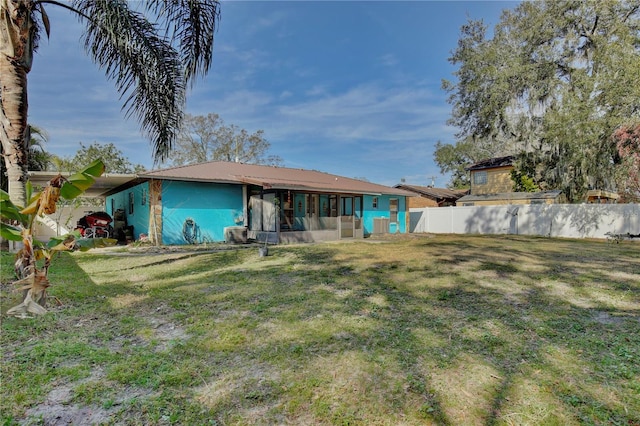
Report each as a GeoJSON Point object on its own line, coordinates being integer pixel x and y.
{"type": "Point", "coordinates": [271, 177]}
{"type": "Point", "coordinates": [436, 193]}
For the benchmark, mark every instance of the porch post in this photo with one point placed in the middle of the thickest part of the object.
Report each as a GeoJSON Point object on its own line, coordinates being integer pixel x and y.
{"type": "Point", "coordinates": [155, 213]}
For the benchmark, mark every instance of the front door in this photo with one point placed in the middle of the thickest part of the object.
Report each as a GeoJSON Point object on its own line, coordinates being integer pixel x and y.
{"type": "Point", "coordinates": [346, 217]}
{"type": "Point", "coordinates": [312, 209]}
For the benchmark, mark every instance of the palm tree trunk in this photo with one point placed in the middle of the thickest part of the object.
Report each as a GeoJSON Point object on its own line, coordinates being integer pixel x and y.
{"type": "Point", "coordinates": [16, 53]}
{"type": "Point", "coordinates": [13, 117]}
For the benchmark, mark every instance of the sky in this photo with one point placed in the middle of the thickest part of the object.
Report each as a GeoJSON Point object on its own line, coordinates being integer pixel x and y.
{"type": "Point", "coordinates": [351, 88]}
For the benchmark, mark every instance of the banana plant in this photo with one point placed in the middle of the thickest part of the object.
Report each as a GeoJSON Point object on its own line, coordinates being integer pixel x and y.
{"type": "Point", "coordinates": [34, 257]}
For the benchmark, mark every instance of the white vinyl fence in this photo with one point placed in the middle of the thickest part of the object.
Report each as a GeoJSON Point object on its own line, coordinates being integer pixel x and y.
{"type": "Point", "coordinates": [555, 220]}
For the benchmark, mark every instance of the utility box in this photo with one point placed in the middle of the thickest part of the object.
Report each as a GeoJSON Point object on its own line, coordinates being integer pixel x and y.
{"type": "Point", "coordinates": [235, 235]}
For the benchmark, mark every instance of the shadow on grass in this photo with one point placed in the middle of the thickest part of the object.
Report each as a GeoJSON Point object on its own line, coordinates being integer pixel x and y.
{"type": "Point", "coordinates": [346, 337]}
{"type": "Point", "coordinates": [525, 329]}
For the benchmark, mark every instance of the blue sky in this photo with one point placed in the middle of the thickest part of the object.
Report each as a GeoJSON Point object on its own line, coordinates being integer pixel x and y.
{"type": "Point", "coordinates": [345, 87]}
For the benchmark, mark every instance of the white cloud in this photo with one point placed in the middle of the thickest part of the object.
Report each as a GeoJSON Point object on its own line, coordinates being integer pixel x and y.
{"type": "Point", "coordinates": [369, 112]}
{"type": "Point", "coordinates": [257, 24]}
{"type": "Point", "coordinates": [388, 60]}
{"type": "Point", "coordinates": [317, 90]}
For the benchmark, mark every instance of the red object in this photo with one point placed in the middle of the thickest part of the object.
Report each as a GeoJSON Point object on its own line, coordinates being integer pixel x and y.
{"type": "Point", "coordinates": [95, 225]}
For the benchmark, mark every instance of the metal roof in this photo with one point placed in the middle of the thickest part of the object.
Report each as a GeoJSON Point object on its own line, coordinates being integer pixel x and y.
{"type": "Point", "coordinates": [492, 163]}
{"type": "Point", "coordinates": [103, 184]}
{"type": "Point", "coordinates": [437, 193]}
{"type": "Point", "coordinates": [540, 195]}
{"type": "Point", "coordinates": [271, 177]}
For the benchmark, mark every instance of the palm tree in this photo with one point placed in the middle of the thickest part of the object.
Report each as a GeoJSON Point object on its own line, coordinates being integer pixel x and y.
{"type": "Point", "coordinates": [152, 50]}
{"type": "Point", "coordinates": [37, 157]}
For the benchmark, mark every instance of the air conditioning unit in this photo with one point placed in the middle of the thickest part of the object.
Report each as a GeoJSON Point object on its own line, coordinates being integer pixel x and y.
{"type": "Point", "coordinates": [380, 225]}
{"type": "Point", "coordinates": [235, 235]}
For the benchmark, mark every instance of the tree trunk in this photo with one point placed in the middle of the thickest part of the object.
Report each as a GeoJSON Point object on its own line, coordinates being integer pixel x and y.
{"type": "Point", "coordinates": [16, 53]}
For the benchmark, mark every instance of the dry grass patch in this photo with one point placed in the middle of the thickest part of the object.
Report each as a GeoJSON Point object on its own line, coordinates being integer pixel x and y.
{"type": "Point", "coordinates": [415, 330]}
{"type": "Point", "coordinates": [469, 385]}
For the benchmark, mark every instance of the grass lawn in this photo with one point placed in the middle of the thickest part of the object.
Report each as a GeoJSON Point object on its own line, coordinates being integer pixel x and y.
{"type": "Point", "coordinates": [413, 330]}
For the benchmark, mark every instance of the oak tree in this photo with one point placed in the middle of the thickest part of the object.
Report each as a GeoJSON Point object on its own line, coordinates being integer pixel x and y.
{"type": "Point", "coordinates": [552, 84]}
{"type": "Point", "coordinates": [207, 138]}
{"type": "Point", "coordinates": [113, 159]}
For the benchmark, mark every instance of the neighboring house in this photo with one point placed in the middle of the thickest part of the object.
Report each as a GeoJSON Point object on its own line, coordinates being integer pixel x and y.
{"type": "Point", "coordinates": [428, 196]}
{"type": "Point", "coordinates": [597, 196]}
{"type": "Point", "coordinates": [492, 176]}
{"type": "Point", "coordinates": [491, 184]}
{"type": "Point", "coordinates": [222, 201]}
{"type": "Point", "coordinates": [540, 197]}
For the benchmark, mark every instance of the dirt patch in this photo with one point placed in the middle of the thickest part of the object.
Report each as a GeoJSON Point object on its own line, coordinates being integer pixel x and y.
{"type": "Point", "coordinates": [606, 318]}
{"type": "Point", "coordinates": [166, 332]}
{"type": "Point", "coordinates": [58, 408]}
{"type": "Point", "coordinates": [52, 414]}
{"type": "Point", "coordinates": [145, 249]}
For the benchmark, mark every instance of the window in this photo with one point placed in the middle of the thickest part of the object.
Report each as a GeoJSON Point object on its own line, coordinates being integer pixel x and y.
{"type": "Point", "coordinates": [131, 201]}
{"type": "Point", "coordinates": [375, 202]}
{"type": "Point", "coordinates": [347, 206]}
{"type": "Point", "coordinates": [480, 178]}
{"type": "Point", "coordinates": [143, 200]}
{"type": "Point", "coordinates": [393, 210]}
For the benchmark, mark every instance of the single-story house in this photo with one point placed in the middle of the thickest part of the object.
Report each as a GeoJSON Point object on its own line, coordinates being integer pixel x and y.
{"type": "Point", "coordinates": [429, 196]}
{"type": "Point", "coordinates": [225, 201]}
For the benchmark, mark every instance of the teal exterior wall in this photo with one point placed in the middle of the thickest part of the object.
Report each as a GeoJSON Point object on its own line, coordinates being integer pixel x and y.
{"type": "Point", "coordinates": [135, 204]}
{"type": "Point", "coordinates": [382, 210]}
{"type": "Point", "coordinates": [211, 207]}
{"type": "Point", "coordinates": [201, 211]}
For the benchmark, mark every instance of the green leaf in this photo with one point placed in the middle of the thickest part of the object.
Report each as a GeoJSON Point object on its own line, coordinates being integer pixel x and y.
{"type": "Point", "coordinates": [9, 232]}
{"type": "Point", "coordinates": [4, 195]}
{"type": "Point", "coordinates": [85, 244]}
{"type": "Point", "coordinates": [95, 169]}
{"type": "Point", "coordinates": [81, 180]}
{"type": "Point", "coordinates": [29, 191]}
{"type": "Point", "coordinates": [54, 241]}
{"type": "Point", "coordinates": [8, 210]}
{"type": "Point", "coordinates": [69, 191]}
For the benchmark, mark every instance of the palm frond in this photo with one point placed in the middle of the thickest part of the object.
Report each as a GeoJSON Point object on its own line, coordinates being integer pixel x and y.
{"type": "Point", "coordinates": [191, 25]}
{"type": "Point", "coordinates": [146, 68]}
